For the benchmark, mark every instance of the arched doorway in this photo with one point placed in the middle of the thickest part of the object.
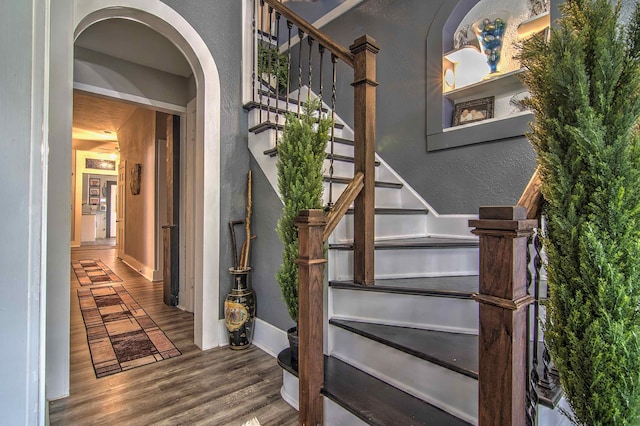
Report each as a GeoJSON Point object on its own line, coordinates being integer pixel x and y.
{"type": "Point", "coordinates": [206, 174]}
{"type": "Point", "coordinates": [171, 25]}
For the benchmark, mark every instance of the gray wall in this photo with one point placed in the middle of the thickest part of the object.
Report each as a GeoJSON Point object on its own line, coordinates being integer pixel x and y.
{"type": "Point", "coordinates": [100, 70]}
{"type": "Point", "coordinates": [456, 180]}
{"type": "Point", "coordinates": [219, 25]}
{"type": "Point", "coordinates": [267, 252]}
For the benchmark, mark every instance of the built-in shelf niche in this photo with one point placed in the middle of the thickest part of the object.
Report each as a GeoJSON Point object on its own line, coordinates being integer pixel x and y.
{"type": "Point", "coordinates": [506, 87]}
{"type": "Point", "coordinates": [509, 121]}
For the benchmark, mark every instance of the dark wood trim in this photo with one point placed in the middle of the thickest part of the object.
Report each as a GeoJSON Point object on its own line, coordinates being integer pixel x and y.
{"type": "Point", "coordinates": [364, 50]}
{"type": "Point", "coordinates": [309, 29]}
{"type": "Point", "coordinates": [311, 263]}
{"type": "Point", "coordinates": [342, 205]}
{"type": "Point", "coordinates": [531, 198]}
{"type": "Point", "coordinates": [503, 232]}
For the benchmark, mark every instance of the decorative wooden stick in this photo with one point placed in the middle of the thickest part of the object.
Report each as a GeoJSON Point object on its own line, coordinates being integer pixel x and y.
{"type": "Point", "coordinates": [243, 254]}
{"type": "Point", "coordinates": [247, 223]}
{"type": "Point", "coordinates": [234, 246]}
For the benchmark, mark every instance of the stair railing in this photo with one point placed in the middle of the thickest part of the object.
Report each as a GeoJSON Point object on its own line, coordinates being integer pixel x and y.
{"type": "Point", "coordinates": [314, 227]}
{"type": "Point", "coordinates": [510, 291]}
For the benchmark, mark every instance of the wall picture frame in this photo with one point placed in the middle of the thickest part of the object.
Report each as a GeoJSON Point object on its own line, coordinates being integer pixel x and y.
{"type": "Point", "coordinates": [94, 182]}
{"type": "Point", "coordinates": [94, 192]}
{"type": "Point", "coordinates": [96, 163]}
{"type": "Point", "coordinates": [94, 201]}
{"type": "Point", "coordinates": [474, 110]}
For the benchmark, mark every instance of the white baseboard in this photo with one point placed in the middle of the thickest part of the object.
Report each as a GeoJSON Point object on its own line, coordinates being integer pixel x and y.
{"type": "Point", "coordinates": [267, 337]}
{"type": "Point", "coordinates": [223, 334]}
{"type": "Point", "coordinates": [144, 270]}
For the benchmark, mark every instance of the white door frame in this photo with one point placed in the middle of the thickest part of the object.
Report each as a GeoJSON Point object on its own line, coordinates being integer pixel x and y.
{"type": "Point", "coordinates": [187, 218]}
{"type": "Point", "coordinates": [206, 244]}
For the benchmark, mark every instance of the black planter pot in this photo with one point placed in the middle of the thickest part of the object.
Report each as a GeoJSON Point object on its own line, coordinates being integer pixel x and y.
{"type": "Point", "coordinates": [292, 335]}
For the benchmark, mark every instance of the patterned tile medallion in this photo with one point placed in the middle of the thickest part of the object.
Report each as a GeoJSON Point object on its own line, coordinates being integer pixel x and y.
{"type": "Point", "coordinates": [93, 271]}
{"type": "Point", "coordinates": [121, 335]}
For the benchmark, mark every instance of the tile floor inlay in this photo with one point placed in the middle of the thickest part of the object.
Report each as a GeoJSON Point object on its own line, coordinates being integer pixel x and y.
{"type": "Point", "coordinates": [120, 334]}
{"type": "Point", "coordinates": [93, 272]}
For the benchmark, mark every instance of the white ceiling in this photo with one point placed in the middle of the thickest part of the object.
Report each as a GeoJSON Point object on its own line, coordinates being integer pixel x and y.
{"type": "Point", "coordinates": [97, 119]}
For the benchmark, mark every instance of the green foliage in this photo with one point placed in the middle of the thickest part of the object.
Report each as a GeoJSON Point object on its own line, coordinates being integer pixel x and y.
{"type": "Point", "coordinates": [272, 62]}
{"type": "Point", "coordinates": [585, 86]}
{"type": "Point", "coordinates": [301, 153]}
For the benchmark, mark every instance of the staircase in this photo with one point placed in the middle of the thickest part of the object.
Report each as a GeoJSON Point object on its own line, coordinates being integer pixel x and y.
{"type": "Point", "coordinates": [405, 350]}
{"type": "Point", "coordinates": [418, 315]}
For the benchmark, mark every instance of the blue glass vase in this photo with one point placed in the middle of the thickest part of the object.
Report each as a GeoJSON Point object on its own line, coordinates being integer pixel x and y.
{"type": "Point", "coordinates": [490, 33]}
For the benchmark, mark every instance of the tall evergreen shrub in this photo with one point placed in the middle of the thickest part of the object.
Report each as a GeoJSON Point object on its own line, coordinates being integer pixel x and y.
{"type": "Point", "coordinates": [301, 153]}
{"type": "Point", "coordinates": [585, 86]}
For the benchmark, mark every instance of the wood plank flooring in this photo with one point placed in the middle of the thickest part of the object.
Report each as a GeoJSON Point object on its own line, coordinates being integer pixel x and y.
{"type": "Point", "coordinates": [214, 387]}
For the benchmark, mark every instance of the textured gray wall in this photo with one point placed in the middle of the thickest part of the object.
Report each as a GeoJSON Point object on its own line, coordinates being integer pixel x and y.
{"type": "Point", "coordinates": [267, 252]}
{"type": "Point", "coordinates": [456, 180]}
{"type": "Point", "coordinates": [219, 25]}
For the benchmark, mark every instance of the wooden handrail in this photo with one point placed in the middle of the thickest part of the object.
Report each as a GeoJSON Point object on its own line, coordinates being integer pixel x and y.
{"type": "Point", "coordinates": [335, 48]}
{"type": "Point", "coordinates": [531, 198]}
{"type": "Point", "coordinates": [342, 205]}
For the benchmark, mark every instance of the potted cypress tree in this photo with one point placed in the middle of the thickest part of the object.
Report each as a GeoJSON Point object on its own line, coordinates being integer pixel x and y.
{"type": "Point", "coordinates": [301, 153]}
{"type": "Point", "coordinates": [273, 66]}
{"type": "Point", "coordinates": [585, 87]}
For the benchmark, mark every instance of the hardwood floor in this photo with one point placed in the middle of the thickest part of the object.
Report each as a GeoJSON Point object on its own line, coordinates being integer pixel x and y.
{"type": "Point", "coordinates": [214, 387]}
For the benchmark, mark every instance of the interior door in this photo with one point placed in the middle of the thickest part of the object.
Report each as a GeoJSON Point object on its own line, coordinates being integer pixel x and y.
{"type": "Point", "coordinates": [111, 209]}
{"type": "Point", "coordinates": [122, 174]}
{"type": "Point", "coordinates": [170, 229]}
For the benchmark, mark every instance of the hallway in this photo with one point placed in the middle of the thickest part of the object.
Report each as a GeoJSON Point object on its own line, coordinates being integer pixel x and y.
{"type": "Point", "coordinates": [214, 387]}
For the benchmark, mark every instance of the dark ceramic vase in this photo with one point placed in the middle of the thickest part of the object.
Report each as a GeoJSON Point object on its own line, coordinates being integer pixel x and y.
{"type": "Point", "coordinates": [240, 310]}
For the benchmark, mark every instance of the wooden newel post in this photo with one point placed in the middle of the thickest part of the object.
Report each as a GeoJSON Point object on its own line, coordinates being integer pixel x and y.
{"type": "Point", "coordinates": [364, 50]}
{"type": "Point", "coordinates": [311, 263]}
{"type": "Point", "coordinates": [503, 299]}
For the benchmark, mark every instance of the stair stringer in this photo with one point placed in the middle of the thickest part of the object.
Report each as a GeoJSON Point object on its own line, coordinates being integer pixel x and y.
{"type": "Point", "coordinates": [441, 225]}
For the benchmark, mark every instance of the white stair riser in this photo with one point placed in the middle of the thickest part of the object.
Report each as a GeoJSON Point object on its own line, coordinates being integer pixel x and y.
{"type": "Point", "coordinates": [256, 118]}
{"type": "Point", "coordinates": [446, 389]}
{"type": "Point", "coordinates": [385, 197]}
{"type": "Point", "coordinates": [343, 169]}
{"type": "Point", "coordinates": [334, 414]}
{"type": "Point", "coordinates": [425, 312]}
{"type": "Point", "coordinates": [386, 226]}
{"type": "Point", "coordinates": [405, 263]}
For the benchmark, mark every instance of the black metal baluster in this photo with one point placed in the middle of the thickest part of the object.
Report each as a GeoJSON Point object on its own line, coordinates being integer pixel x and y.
{"type": "Point", "coordinates": [533, 280]}
{"type": "Point", "coordinates": [253, 51]}
{"type": "Point", "coordinates": [310, 41]}
{"type": "Point", "coordinates": [261, 59]}
{"type": "Point", "coordinates": [549, 381]}
{"type": "Point", "coordinates": [289, 26]}
{"type": "Point", "coordinates": [270, 64]}
{"type": "Point", "coordinates": [334, 61]}
{"type": "Point", "coordinates": [300, 35]}
{"type": "Point", "coordinates": [277, 73]}
{"type": "Point", "coordinates": [321, 49]}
